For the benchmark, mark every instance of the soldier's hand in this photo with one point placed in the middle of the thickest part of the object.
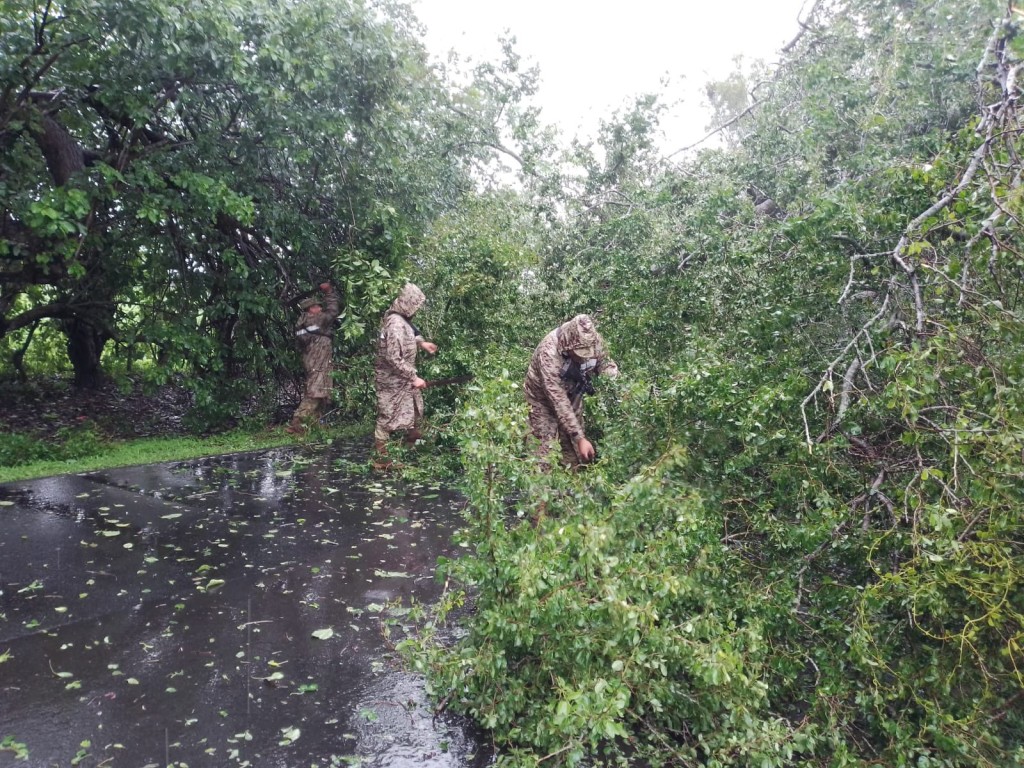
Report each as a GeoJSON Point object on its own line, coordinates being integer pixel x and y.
{"type": "Point", "coordinates": [585, 449]}
{"type": "Point", "coordinates": [428, 346]}
{"type": "Point", "coordinates": [419, 383]}
{"type": "Point", "coordinates": [326, 287]}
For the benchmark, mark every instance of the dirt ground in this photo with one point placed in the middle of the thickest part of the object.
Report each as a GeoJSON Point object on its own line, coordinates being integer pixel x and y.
{"type": "Point", "coordinates": [44, 408]}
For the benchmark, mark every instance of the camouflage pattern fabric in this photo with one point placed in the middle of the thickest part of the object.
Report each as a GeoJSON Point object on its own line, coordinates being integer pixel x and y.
{"type": "Point", "coordinates": [553, 411]}
{"type": "Point", "coordinates": [317, 350]}
{"type": "Point", "coordinates": [399, 406]}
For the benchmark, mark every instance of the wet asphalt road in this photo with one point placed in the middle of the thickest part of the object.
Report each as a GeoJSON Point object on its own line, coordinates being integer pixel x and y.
{"type": "Point", "coordinates": [220, 612]}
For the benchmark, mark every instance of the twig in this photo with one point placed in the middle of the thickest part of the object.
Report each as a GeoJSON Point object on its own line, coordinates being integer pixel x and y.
{"type": "Point", "coordinates": [555, 753]}
{"type": "Point", "coordinates": [719, 129]}
{"type": "Point", "coordinates": [844, 397]}
{"type": "Point", "coordinates": [863, 331]}
{"type": "Point", "coordinates": [804, 26]}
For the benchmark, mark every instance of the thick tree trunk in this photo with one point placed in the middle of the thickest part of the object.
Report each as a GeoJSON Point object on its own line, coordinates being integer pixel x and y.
{"type": "Point", "coordinates": [64, 156]}
{"type": "Point", "coordinates": [85, 346]}
{"type": "Point", "coordinates": [86, 335]}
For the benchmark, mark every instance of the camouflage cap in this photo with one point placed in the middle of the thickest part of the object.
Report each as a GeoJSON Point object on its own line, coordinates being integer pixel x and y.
{"type": "Point", "coordinates": [579, 335]}
{"type": "Point", "coordinates": [305, 304]}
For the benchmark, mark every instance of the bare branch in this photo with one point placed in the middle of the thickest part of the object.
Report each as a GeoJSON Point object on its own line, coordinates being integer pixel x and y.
{"type": "Point", "coordinates": [804, 26]}
{"type": "Point", "coordinates": [719, 129]}
{"type": "Point", "coordinates": [827, 376]}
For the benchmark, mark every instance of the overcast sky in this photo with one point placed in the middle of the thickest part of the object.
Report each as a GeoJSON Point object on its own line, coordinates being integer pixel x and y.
{"type": "Point", "coordinates": [595, 56]}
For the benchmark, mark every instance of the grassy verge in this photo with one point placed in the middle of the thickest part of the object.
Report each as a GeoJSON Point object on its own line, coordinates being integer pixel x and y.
{"type": "Point", "coordinates": [154, 450]}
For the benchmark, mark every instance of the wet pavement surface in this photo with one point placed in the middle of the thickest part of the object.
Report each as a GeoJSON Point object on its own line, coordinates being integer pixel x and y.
{"type": "Point", "coordinates": [226, 611]}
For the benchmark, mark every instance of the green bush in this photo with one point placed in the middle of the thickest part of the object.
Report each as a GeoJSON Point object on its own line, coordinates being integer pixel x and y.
{"type": "Point", "coordinates": [802, 544]}
{"type": "Point", "coordinates": [80, 441]}
{"type": "Point", "coordinates": [713, 593]}
{"type": "Point", "coordinates": [17, 449]}
{"type": "Point", "coordinates": [74, 442]}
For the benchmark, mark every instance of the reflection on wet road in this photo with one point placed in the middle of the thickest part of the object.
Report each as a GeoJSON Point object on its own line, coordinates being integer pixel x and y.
{"type": "Point", "coordinates": [222, 612]}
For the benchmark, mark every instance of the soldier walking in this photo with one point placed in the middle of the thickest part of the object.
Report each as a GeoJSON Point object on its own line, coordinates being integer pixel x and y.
{"type": "Point", "coordinates": [399, 387]}
{"type": "Point", "coordinates": [314, 331]}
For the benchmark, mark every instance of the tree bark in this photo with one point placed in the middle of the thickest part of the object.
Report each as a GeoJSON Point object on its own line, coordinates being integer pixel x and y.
{"type": "Point", "coordinates": [86, 334]}
{"type": "Point", "coordinates": [85, 347]}
{"type": "Point", "coordinates": [64, 156]}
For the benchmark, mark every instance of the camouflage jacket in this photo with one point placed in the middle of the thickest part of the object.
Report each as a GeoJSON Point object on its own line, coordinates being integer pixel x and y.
{"type": "Point", "coordinates": [546, 383]}
{"type": "Point", "coordinates": [315, 332]}
{"type": "Point", "coordinates": [398, 404]}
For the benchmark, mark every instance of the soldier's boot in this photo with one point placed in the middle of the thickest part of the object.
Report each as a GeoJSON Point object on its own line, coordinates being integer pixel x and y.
{"type": "Point", "coordinates": [381, 462]}
{"type": "Point", "coordinates": [412, 436]}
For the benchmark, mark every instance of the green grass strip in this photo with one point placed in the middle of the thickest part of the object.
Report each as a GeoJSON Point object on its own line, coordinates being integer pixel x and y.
{"type": "Point", "coordinates": [129, 453]}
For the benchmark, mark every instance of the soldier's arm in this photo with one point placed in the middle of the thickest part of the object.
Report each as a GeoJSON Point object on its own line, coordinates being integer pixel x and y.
{"type": "Point", "coordinates": [331, 305]}
{"type": "Point", "coordinates": [607, 367]}
{"type": "Point", "coordinates": [391, 341]}
{"type": "Point", "coordinates": [551, 381]}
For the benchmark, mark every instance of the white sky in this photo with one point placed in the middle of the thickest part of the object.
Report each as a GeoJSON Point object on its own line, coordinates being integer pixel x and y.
{"type": "Point", "coordinates": [595, 56]}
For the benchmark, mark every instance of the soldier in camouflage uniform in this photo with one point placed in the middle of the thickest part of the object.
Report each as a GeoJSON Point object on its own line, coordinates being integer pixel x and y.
{"type": "Point", "coordinates": [399, 395]}
{"type": "Point", "coordinates": [559, 376]}
{"type": "Point", "coordinates": [314, 331]}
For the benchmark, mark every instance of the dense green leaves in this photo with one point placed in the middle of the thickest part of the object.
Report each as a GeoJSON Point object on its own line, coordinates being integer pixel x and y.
{"type": "Point", "coordinates": [176, 174]}
{"type": "Point", "coordinates": [802, 543]}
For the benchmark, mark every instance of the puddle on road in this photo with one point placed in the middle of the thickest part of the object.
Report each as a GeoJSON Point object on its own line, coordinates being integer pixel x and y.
{"type": "Point", "coordinates": [222, 612]}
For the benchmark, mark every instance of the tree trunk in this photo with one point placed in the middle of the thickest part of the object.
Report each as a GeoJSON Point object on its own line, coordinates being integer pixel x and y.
{"type": "Point", "coordinates": [85, 346]}
{"type": "Point", "coordinates": [64, 156]}
{"type": "Point", "coordinates": [86, 337]}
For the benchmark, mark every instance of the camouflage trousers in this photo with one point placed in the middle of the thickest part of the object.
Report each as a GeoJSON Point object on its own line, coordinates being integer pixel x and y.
{"type": "Point", "coordinates": [382, 431]}
{"type": "Point", "coordinates": [399, 409]}
{"type": "Point", "coordinates": [544, 426]}
{"type": "Point", "coordinates": [308, 412]}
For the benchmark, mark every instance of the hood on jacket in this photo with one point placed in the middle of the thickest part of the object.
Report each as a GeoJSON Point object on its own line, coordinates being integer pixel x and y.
{"type": "Point", "coordinates": [578, 335]}
{"type": "Point", "coordinates": [408, 302]}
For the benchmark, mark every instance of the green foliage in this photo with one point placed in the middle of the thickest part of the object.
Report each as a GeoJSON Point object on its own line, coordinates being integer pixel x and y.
{"type": "Point", "coordinates": [22, 449]}
{"type": "Point", "coordinates": [479, 265]}
{"type": "Point", "coordinates": [52, 459]}
{"type": "Point", "coordinates": [16, 748]}
{"type": "Point", "coordinates": [801, 544]}
{"type": "Point", "coordinates": [365, 285]}
{"type": "Point", "coordinates": [592, 616]}
{"type": "Point", "coordinates": [231, 155]}
{"type": "Point", "coordinates": [70, 443]}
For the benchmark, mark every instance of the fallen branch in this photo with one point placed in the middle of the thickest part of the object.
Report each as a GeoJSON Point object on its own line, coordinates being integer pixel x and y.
{"type": "Point", "coordinates": [827, 376]}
